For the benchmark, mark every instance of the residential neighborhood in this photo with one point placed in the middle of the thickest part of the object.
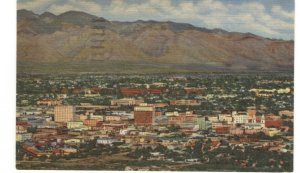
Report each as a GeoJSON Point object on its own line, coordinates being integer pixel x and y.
{"type": "Point", "coordinates": [185, 122]}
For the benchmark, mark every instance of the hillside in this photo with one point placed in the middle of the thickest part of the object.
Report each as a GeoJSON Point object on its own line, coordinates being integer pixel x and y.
{"type": "Point", "coordinates": [79, 42]}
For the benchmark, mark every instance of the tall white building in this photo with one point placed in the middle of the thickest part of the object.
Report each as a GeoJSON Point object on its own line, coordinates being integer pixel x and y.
{"type": "Point", "coordinates": [240, 117]}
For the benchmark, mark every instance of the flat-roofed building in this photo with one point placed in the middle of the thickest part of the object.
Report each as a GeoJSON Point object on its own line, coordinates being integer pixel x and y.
{"type": "Point", "coordinates": [225, 116]}
{"type": "Point", "coordinates": [251, 114]}
{"type": "Point", "coordinates": [272, 120]}
{"type": "Point", "coordinates": [112, 118]}
{"type": "Point", "coordinates": [203, 123]}
{"type": "Point", "coordinates": [92, 122]}
{"type": "Point", "coordinates": [23, 136]}
{"type": "Point", "coordinates": [195, 90]}
{"type": "Point", "coordinates": [240, 117]}
{"type": "Point", "coordinates": [64, 113]}
{"type": "Point", "coordinates": [74, 124]}
{"type": "Point", "coordinates": [213, 118]}
{"type": "Point", "coordinates": [287, 113]}
{"type": "Point", "coordinates": [184, 102]}
{"type": "Point", "coordinates": [284, 90]}
{"type": "Point", "coordinates": [49, 102]}
{"type": "Point", "coordinates": [126, 101]}
{"type": "Point", "coordinates": [144, 115]}
{"type": "Point", "coordinates": [181, 118]}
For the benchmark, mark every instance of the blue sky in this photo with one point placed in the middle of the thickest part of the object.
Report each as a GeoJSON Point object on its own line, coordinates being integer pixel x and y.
{"type": "Point", "coordinates": [268, 18]}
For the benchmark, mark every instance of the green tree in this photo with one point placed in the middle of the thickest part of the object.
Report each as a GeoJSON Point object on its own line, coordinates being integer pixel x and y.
{"type": "Point", "coordinates": [54, 157]}
{"type": "Point", "coordinates": [43, 158]}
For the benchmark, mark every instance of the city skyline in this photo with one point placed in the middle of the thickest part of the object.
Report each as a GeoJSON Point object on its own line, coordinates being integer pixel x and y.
{"type": "Point", "coordinates": [188, 122]}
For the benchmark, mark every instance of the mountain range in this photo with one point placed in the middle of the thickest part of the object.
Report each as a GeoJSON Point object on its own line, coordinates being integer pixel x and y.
{"type": "Point", "coordinates": [79, 42]}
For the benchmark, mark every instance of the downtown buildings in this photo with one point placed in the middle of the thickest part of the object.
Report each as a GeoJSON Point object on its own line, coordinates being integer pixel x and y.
{"type": "Point", "coordinates": [64, 113]}
{"type": "Point", "coordinates": [221, 118]}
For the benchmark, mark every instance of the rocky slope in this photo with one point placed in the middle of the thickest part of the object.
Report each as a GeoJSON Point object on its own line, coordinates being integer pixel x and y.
{"type": "Point", "coordinates": [83, 40]}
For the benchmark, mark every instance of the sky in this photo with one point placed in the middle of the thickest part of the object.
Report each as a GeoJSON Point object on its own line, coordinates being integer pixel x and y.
{"type": "Point", "coordinates": [267, 18]}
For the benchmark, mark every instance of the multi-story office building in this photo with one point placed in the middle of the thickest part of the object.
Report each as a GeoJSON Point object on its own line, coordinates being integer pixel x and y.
{"type": "Point", "coordinates": [64, 113]}
{"type": "Point", "coordinates": [144, 115]}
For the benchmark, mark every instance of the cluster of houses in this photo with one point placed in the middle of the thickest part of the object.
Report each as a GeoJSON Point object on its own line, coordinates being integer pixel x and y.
{"type": "Point", "coordinates": [59, 130]}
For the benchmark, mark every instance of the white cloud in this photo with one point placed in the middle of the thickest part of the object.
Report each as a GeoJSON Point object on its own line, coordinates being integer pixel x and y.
{"type": "Point", "coordinates": [120, 8]}
{"type": "Point", "coordinates": [211, 5]}
{"type": "Point", "coordinates": [277, 10]}
{"type": "Point", "coordinates": [188, 7]}
{"type": "Point", "coordinates": [34, 5]}
{"type": "Point", "coordinates": [58, 9]}
{"type": "Point", "coordinates": [77, 5]}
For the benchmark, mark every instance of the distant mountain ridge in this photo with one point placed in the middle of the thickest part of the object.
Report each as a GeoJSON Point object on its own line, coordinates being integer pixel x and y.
{"type": "Point", "coordinates": [79, 39]}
